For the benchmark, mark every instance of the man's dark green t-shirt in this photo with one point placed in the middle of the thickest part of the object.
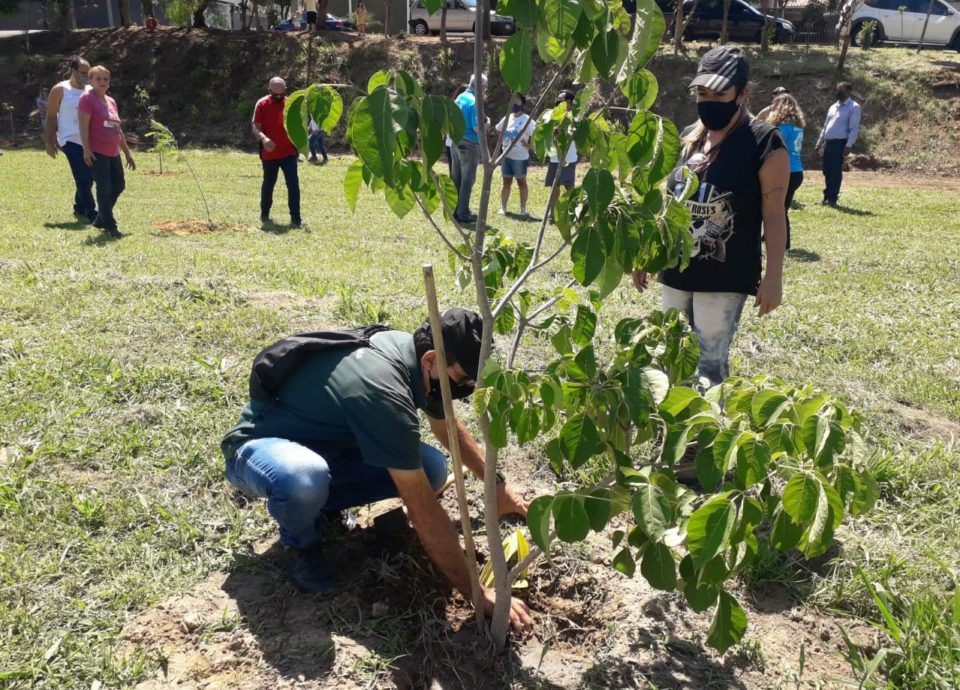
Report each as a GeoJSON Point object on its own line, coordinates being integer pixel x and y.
{"type": "Point", "coordinates": [365, 399]}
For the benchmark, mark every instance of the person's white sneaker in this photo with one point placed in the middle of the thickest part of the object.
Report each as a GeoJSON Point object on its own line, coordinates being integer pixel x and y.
{"type": "Point", "coordinates": [502, 211]}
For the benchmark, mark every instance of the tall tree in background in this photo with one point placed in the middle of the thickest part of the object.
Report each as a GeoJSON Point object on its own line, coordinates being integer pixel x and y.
{"type": "Point", "coordinates": [147, 7]}
{"type": "Point", "coordinates": [926, 21]}
{"type": "Point", "coordinates": [725, 24]}
{"type": "Point", "coordinates": [125, 13]}
{"type": "Point", "coordinates": [443, 23]}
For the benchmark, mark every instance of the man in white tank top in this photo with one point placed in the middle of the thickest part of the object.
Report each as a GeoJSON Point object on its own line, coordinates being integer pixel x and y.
{"type": "Point", "coordinates": [63, 130]}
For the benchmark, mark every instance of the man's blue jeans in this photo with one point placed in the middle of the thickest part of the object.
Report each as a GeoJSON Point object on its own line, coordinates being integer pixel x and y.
{"type": "Point", "coordinates": [317, 145]}
{"type": "Point", "coordinates": [714, 317]}
{"type": "Point", "coordinates": [271, 170]}
{"type": "Point", "coordinates": [83, 203]}
{"type": "Point", "coordinates": [466, 158]}
{"type": "Point", "coordinates": [299, 482]}
{"type": "Point", "coordinates": [833, 169]}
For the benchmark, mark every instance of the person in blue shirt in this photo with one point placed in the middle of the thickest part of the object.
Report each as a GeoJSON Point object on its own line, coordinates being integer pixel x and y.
{"type": "Point", "coordinates": [785, 114]}
{"type": "Point", "coordinates": [467, 154]}
{"type": "Point", "coordinates": [839, 133]}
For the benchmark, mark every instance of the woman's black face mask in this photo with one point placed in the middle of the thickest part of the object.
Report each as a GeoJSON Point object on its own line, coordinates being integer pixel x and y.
{"type": "Point", "coordinates": [716, 115]}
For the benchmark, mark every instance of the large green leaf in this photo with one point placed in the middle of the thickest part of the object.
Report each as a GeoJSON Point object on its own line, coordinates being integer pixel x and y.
{"type": "Point", "coordinates": [767, 406]}
{"type": "Point", "coordinates": [400, 200]}
{"type": "Point", "coordinates": [588, 254]}
{"type": "Point", "coordinates": [640, 89]}
{"type": "Point", "coordinates": [448, 194]}
{"type": "Point", "coordinates": [598, 506]}
{"type": "Point", "coordinates": [668, 151]}
{"type": "Point", "coordinates": [600, 188]}
{"type": "Point", "coordinates": [785, 533]}
{"type": "Point", "coordinates": [433, 124]}
{"type": "Point", "coordinates": [378, 79]}
{"type": "Point", "coordinates": [709, 529]}
{"type": "Point", "coordinates": [295, 119]}
{"type": "Point", "coordinates": [579, 439]}
{"type": "Point", "coordinates": [801, 497]}
{"type": "Point", "coordinates": [538, 520]}
{"type": "Point", "coordinates": [456, 125]}
{"type": "Point", "coordinates": [647, 34]}
{"type": "Point", "coordinates": [325, 106]}
{"type": "Point", "coordinates": [604, 52]}
{"type": "Point", "coordinates": [352, 182]}
{"type": "Point", "coordinates": [659, 568]}
{"type": "Point", "coordinates": [525, 12]}
{"type": "Point", "coordinates": [561, 17]}
{"type": "Point", "coordinates": [377, 121]}
{"type": "Point", "coordinates": [624, 563]}
{"type": "Point", "coordinates": [729, 624]}
{"type": "Point", "coordinates": [570, 518]}
{"type": "Point", "coordinates": [753, 462]}
{"type": "Point", "coordinates": [550, 48]}
{"type": "Point", "coordinates": [678, 399]}
{"type": "Point", "coordinates": [584, 326]}
{"type": "Point", "coordinates": [516, 60]}
{"type": "Point", "coordinates": [652, 511]}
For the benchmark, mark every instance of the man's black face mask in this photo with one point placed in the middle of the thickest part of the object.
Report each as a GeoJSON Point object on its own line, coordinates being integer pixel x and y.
{"type": "Point", "coordinates": [458, 391]}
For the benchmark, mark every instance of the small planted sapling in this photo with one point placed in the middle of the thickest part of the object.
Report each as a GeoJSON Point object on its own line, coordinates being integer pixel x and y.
{"type": "Point", "coordinates": [164, 142]}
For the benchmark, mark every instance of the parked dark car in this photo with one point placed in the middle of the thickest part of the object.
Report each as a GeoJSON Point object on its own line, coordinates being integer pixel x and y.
{"type": "Point", "coordinates": [744, 22]}
{"type": "Point", "coordinates": [332, 23]}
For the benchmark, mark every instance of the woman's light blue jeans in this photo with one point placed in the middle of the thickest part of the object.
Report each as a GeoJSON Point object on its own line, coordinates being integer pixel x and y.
{"type": "Point", "coordinates": [299, 483]}
{"type": "Point", "coordinates": [714, 317]}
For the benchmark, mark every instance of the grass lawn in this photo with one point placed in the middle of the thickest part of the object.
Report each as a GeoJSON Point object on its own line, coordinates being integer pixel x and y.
{"type": "Point", "coordinates": [122, 364]}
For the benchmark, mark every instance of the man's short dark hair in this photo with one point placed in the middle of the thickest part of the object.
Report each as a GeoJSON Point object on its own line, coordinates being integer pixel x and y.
{"type": "Point", "coordinates": [565, 95]}
{"type": "Point", "coordinates": [845, 85]}
{"type": "Point", "coordinates": [75, 62]}
{"type": "Point", "coordinates": [523, 99]}
{"type": "Point", "coordinates": [462, 332]}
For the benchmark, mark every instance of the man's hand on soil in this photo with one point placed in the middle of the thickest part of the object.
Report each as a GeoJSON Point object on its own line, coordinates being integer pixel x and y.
{"type": "Point", "coordinates": [508, 502]}
{"type": "Point", "coordinates": [520, 618]}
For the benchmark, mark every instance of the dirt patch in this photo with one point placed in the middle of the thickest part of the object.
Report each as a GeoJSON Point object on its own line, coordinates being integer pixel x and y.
{"type": "Point", "coordinates": [194, 227]}
{"type": "Point", "coordinates": [926, 424]}
{"type": "Point", "coordinates": [886, 180]}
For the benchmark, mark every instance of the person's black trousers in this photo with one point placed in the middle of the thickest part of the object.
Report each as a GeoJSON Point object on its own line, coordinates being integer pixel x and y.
{"type": "Point", "coordinates": [796, 179]}
{"type": "Point", "coordinates": [271, 169]}
{"type": "Point", "coordinates": [108, 176]}
{"type": "Point", "coordinates": [833, 168]}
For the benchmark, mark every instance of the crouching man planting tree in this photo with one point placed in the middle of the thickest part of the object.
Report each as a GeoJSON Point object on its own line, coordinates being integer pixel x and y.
{"type": "Point", "coordinates": [332, 423]}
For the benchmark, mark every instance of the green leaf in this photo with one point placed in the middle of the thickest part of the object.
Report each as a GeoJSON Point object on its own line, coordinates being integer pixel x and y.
{"type": "Point", "coordinates": [516, 61]}
{"type": "Point", "coordinates": [767, 406]}
{"type": "Point", "coordinates": [570, 518]}
{"type": "Point", "coordinates": [584, 326]}
{"type": "Point", "coordinates": [640, 89]}
{"type": "Point", "coordinates": [658, 384]}
{"type": "Point", "coordinates": [588, 254]}
{"type": "Point", "coordinates": [709, 474]}
{"type": "Point", "coordinates": [598, 507]}
{"type": "Point", "coordinates": [751, 515]}
{"type": "Point", "coordinates": [525, 12]}
{"type": "Point", "coordinates": [610, 277]}
{"type": "Point", "coordinates": [351, 183]}
{"type": "Point", "coordinates": [448, 194]}
{"type": "Point", "coordinates": [647, 34]}
{"type": "Point", "coordinates": [295, 119]}
{"type": "Point", "coordinates": [709, 529]}
{"type": "Point", "coordinates": [551, 49]}
{"type": "Point", "coordinates": [785, 533]}
{"type": "Point", "coordinates": [456, 125]}
{"type": "Point", "coordinates": [498, 429]}
{"type": "Point", "coordinates": [378, 79]}
{"type": "Point", "coordinates": [677, 400]}
{"type": "Point", "coordinates": [561, 17]}
{"type": "Point", "coordinates": [586, 359]}
{"type": "Point", "coordinates": [529, 425]}
{"type": "Point", "coordinates": [578, 439]}
{"type": "Point", "coordinates": [604, 51]}
{"type": "Point", "coordinates": [433, 124]}
{"type": "Point", "coordinates": [800, 498]}
{"type": "Point", "coordinates": [668, 151]}
{"type": "Point", "coordinates": [375, 126]}
{"type": "Point", "coordinates": [600, 188]}
{"type": "Point", "coordinates": [400, 201]}
{"type": "Point", "coordinates": [753, 462]}
{"type": "Point", "coordinates": [729, 624]}
{"type": "Point", "coordinates": [624, 563]}
{"type": "Point", "coordinates": [325, 106]}
{"type": "Point", "coordinates": [538, 520]}
{"type": "Point", "coordinates": [652, 511]}
{"type": "Point", "coordinates": [659, 568]}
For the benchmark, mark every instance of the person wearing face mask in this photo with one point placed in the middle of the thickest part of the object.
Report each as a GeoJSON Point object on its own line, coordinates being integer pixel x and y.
{"type": "Point", "coordinates": [839, 133]}
{"type": "Point", "coordinates": [744, 171]}
{"type": "Point", "coordinates": [277, 152]}
{"type": "Point", "coordinates": [340, 428]}
{"type": "Point", "coordinates": [62, 130]}
{"type": "Point", "coordinates": [517, 130]}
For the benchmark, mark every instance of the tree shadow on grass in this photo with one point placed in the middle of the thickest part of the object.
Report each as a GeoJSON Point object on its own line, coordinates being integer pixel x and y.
{"type": "Point", "coordinates": [100, 239]}
{"type": "Point", "coordinates": [69, 225]}
{"type": "Point", "coordinates": [803, 255]}
{"type": "Point", "coordinates": [852, 211]}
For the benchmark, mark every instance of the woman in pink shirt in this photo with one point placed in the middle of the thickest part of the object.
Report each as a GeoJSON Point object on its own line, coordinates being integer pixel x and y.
{"type": "Point", "coordinates": [103, 140]}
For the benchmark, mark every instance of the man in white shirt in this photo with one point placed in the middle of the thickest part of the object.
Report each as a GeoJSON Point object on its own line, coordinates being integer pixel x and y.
{"type": "Point", "coordinates": [567, 172]}
{"type": "Point", "coordinates": [840, 131]}
{"type": "Point", "coordinates": [516, 147]}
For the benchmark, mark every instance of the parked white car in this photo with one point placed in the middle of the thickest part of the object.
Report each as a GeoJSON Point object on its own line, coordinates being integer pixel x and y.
{"type": "Point", "coordinates": [461, 16]}
{"type": "Point", "coordinates": [906, 27]}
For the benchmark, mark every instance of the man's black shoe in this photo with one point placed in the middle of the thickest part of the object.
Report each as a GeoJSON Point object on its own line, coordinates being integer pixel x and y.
{"type": "Point", "coordinates": [113, 234]}
{"type": "Point", "coordinates": [97, 223]}
{"type": "Point", "coordinates": [309, 572]}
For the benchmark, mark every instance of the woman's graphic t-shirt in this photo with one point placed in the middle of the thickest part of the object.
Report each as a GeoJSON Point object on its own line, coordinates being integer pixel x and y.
{"type": "Point", "coordinates": [104, 124]}
{"type": "Point", "coordinates": [516, 127]}
{"type": "Point", "coordinates": [727, 213]}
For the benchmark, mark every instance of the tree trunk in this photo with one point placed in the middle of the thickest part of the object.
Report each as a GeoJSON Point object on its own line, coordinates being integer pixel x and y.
{"type": "Point", "coordinates": [199, 15]}
{"type": "Point", "coordinates": [443, 24]}
{"type": "Point", "coordinates": [765, 31]}
{"type": "Point", "coordinates": [147, 7]}
{"type": "Point", "coordinates": [125, 13]}
{"type": "Point", "coordinates": [925, 22]}
{"type": "Point", "coordinates": [680, 25]}
{"type": "Point", "coordinates": [386, 17]}
{"type": "Point", "coordinates": [255, 14]}
{"type": "Point", "coordinates": [322, 6]}
{"type": "Point", "coordinates": [843, 50]}
{"type": "Point", "coordinates": [243, 16]}
{"type": "Point", "coordinates": [724, 26]}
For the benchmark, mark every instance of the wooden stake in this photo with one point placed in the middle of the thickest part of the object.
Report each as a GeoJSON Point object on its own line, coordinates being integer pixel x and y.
{"type": "Point", "coordinates": [454, 441]}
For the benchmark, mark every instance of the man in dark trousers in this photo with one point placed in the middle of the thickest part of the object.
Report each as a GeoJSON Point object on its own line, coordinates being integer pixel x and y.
{"type": "Point", "coordinates": [840, 131]}
{"type": "Point", "coordinates": [343, 430]}
{"type": "Point", "coordinates": [277, 152]}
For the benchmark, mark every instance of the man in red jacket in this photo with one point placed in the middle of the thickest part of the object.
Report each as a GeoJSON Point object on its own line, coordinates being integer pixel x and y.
{"type": "Point", "coordinates": [277, 152]}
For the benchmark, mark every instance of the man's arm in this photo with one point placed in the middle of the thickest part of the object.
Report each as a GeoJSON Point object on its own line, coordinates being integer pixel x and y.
{"type": "Point", "coordinates": [854, 126]}
{"type": "Point", "coordinates": [440, 540]}
{"type": "Point", "coordinates": [774, 178]}
{"type": "Point", "coordinates": [508, 502]}
{"type": "Point", "coordinates": [262, 138]}
{"type": "Point", "coordinates": [50, 129]}
{"type": "Point", "coordinates": [823, 130]}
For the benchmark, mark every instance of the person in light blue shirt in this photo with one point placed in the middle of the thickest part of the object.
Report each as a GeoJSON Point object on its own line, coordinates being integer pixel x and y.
{"type": "Point", "coordinates": [839, 133]}
{"type": "Point", "coordinates": [467, 154]}
{"type": "Point", "coordinates": [786, 115]}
